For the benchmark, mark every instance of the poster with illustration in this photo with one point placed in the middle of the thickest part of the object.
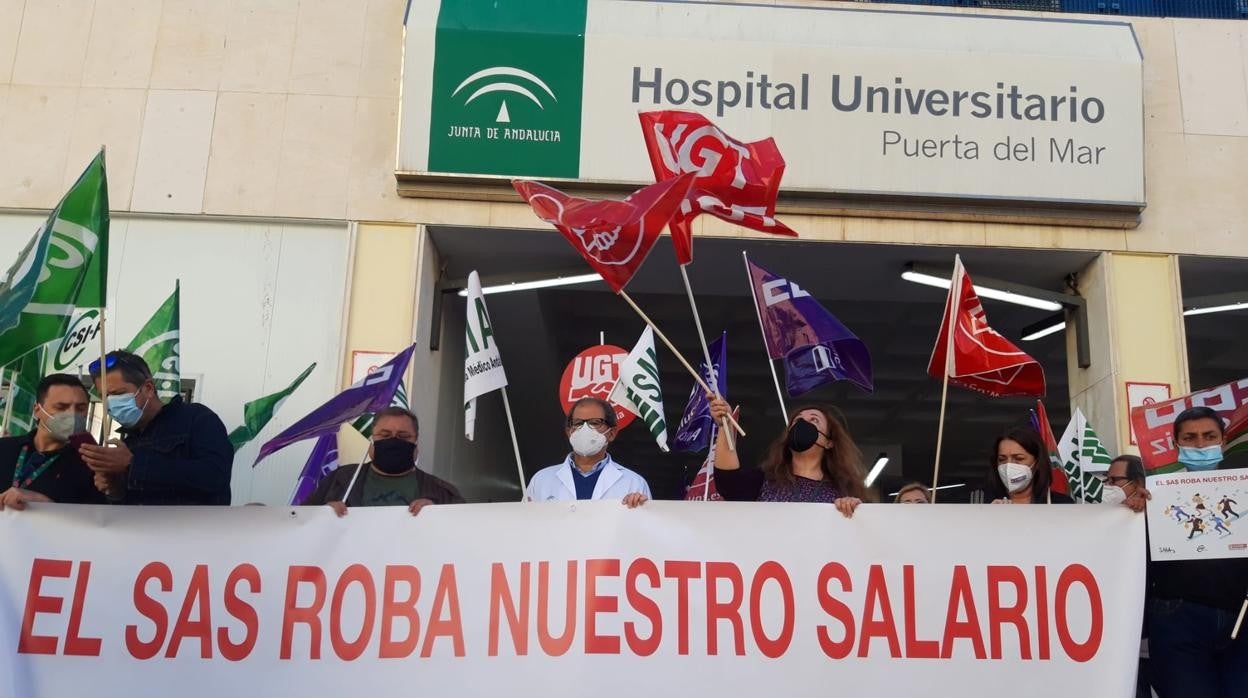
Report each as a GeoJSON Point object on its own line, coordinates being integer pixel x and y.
{"type": "Point", "coordinates": [1196, 516]}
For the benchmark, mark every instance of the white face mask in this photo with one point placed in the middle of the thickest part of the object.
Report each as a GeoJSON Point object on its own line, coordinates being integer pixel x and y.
{"type": "Point", "coordinates": [1015, 476]}
{"type": "Point", "coordinates": [586, 441]}
{"type": "Point", "coordinates": [1113, 494]}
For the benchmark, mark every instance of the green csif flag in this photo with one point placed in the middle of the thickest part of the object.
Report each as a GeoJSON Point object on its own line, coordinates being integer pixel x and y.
{"type": "Point", "coordinates": [72, 277]}
{"type": "Point", "coordinates": [364, 423]}
{"type": "Point", "coordinates": [258, 412]}
{"type": "Point", "coordinates": [24, 375]}
{"type": "Point", "coordinates": [20, 281]}
{"type": "Point", "coordinates": [1081, 451]}
{"type": "Point", "coordinates": [158, 344]}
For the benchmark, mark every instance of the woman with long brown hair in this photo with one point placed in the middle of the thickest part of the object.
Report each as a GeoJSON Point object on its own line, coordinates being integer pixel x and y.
{"type": "Point", "coordinates": [814, 460]}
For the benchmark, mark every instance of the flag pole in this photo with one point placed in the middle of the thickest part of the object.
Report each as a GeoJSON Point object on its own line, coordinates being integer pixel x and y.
{"type": "Point", "coordinates": [683, 361]}
{"type": "Point", "coordinates": [515, 445]}
{"type": "Point", "coordinates": [1239, 622]}
{"type": "Point", "coordinates": [784, 411]}
{"type": "Point", "coordinates": [706, 351]}
{"type": "Point", "coordinates": [106, 422]}
{"type": "Point", "coordinates": [350, 485]}
{"type": "Point", "coordinates": [955, 297]}
{"type": "Point", "coordinates": [11, 374]}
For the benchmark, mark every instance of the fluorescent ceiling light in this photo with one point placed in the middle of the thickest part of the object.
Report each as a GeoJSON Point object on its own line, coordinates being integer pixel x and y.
{"type": "Point", "coordinates": [531, 285]}
{"type": "Point", "coordinates": [876, 469]}
{"type": "Point", "coordinates": [1216, 309]}
{"type": "Point", "coordinates": [929, 489]}
{"type": "Point", "coordinates": [1052, 329]}
{"type": "Point", "coordinates": [996, 295]}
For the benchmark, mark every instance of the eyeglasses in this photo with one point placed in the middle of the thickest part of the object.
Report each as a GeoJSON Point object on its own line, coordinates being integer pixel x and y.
{"type": "Point", "coordinates": [595, 423]}
{"type": "Point", "coordinates": [1117, 480]}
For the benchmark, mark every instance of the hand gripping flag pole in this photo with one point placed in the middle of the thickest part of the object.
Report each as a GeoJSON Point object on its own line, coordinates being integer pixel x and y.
{"type": "Point", "coordinates": [706, 351]}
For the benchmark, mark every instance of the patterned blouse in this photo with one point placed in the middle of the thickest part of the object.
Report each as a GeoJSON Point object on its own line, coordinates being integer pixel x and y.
{"type": "Point", "coordinates": [752, 486]}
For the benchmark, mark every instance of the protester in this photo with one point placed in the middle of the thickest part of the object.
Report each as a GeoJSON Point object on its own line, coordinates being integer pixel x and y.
{"type": "Point", "coordinates": [43, 466]}
{"type": "Point", "coordinates": [1021, 470]}
{"type": "Point", "coordinates": [1193, 604]}
{"type": "Point", "coordinates": [913, 493]}
{"type": "Point", "coordinates": [814, 460]}
{"type": "Point", "coordinates": [1124, 483]}
{"type": "Point", "coordinates": [589, 472]}
{"type": "Point", "coordinates": [175, 453]}
{"type": "Point", "coordinates": [393, 477]}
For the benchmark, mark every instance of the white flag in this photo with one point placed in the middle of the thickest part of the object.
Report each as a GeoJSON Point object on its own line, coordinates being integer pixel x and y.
{"type": "Point", "coordinates": [1082, 454]}
{"type": "Point", "coordinates": [483, 366]}
{"type": "Point", "coordinates": [637, 389]}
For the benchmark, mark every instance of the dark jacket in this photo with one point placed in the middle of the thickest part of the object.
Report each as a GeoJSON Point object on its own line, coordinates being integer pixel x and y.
{"type": "Point", "coordinates": [68, 480]}
{"type": "Point", "coordinates": [182, 457]}
{"type": "Point", "coordinates": [335, 484]}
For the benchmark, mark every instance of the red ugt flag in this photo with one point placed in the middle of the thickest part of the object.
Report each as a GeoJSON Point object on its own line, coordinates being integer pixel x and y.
{"type": "Point", "coordinates": [735, 181]}
{"type": "Point", "coordinates": [613, 236]}
{"type": "Point", "coordinates": [981, 360]}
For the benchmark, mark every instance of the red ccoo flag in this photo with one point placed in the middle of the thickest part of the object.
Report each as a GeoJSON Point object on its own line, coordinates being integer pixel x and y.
{"type": "Point", "coordinates": [981, 359]}
{"type": "Point", "coordinates": [1059, 482]}
{"type": "Point", "coordinates": [735, 181]}
{"type": "Point", "coordinates": [613, 236]}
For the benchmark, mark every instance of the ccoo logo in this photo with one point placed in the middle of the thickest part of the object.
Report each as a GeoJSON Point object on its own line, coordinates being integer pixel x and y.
{"type": "Point", "coordinates": [506, 79]}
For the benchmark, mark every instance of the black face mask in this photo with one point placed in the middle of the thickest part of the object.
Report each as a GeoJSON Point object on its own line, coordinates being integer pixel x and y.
{"type": "Point", "coordinates": [394, 456]}
{"type": "Point", "coordinates": [803, 435]}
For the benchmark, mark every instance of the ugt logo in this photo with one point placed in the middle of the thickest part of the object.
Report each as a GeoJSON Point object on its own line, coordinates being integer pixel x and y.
{"type": "Point", "coordinates": [506, 79]}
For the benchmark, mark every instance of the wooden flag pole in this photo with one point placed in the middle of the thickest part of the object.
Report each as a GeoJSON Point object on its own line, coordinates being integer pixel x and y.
{"type": "Point", "coordinates": [706, 351]}
{"type": "Point", "coordinates": [515, 445]}
{"type": "Point", "coordinates": [955, 298]}
{"type": "Point", "coordinates": [684, 362]}
{"type": "Point", "coordinates": [106, 422]}
{"type": "Point", "coordinates": [784, 411]}
{"type": "Point", "coordinates": [1239, 622]}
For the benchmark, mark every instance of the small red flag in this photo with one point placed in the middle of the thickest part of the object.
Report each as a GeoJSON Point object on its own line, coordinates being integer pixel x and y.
{"type": "Point", "coordinates": [613, 236]}
{"type": "Point", "coordinates": [982, 360]}
{"type": "Point", "coordinates": [735, 181]}
{"type": "Point", "coordinates": [1059, 483]}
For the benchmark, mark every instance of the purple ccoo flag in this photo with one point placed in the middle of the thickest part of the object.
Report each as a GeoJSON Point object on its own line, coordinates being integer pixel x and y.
{"type": "Point", "coordinates": [694, 433]}
{"type": "Point", "coordinates": [815, 346]}
{"type": "Point", "coordinates": [321, 462]}
{"type": "Point", "coordinates": [371, 393]}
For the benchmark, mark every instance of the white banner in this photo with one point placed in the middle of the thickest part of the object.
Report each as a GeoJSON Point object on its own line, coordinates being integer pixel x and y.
{"type": "Point", "coordinates": [571, 599]}
{"type": "Point", "coordinates": [1195, 516]}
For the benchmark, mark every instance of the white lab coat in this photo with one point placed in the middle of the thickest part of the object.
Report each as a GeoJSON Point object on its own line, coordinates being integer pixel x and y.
{"type": "Point", "coordinates": [555, 484]}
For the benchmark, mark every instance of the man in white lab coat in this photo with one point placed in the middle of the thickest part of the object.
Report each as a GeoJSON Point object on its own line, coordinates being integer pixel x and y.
{"type": "Point", "coordinates": [589, 472]}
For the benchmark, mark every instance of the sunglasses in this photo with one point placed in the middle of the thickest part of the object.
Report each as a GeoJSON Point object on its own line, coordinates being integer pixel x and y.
{"type": "Point", "coordinates": [111, 361]}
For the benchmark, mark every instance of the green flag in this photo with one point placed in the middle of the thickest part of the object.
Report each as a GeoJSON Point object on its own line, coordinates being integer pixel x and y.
{"type": "Point", "coordinates": [364, 423]}
{"type": "Point", "coordinates": [73, 275]}
{"type": "Point", "coordinates": [1081, 451]}
{"type": "Point", "coordinates": [258, 412]}
{"type": "Point", "coordinates": [24, 374]}
{"type": "Point", "coordinates": [158, 344]}
{"type": "Point", "coordinates": [20, 281]}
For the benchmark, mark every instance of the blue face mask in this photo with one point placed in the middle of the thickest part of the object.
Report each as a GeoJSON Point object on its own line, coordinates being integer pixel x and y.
{"type": "Point", "coordinates": [125, 410]}
{"type": "Point", "coordinates": [1197, 459]}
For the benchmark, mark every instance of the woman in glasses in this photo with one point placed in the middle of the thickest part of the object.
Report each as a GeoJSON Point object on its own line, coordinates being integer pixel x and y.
{"type": "Point", "coordinates": [813, 460]}
{"type": "Point", "coordinates": [588, 472]}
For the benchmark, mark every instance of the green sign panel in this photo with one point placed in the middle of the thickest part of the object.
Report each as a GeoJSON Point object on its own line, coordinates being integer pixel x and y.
{"type": "Point", "coordinates": [507, 79]}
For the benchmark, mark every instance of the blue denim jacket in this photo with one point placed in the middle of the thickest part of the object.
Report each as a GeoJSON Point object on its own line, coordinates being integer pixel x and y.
{"type": "Point", "coordinates": [183, 456]}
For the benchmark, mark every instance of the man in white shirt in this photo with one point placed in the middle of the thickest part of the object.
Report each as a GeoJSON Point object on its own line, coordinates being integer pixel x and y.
{"type": "Point", "coordinates": [589, 472]}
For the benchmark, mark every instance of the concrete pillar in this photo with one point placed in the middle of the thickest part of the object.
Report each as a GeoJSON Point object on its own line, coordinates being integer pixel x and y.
{"type": "Point", "coordinates": [1135, 318]}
